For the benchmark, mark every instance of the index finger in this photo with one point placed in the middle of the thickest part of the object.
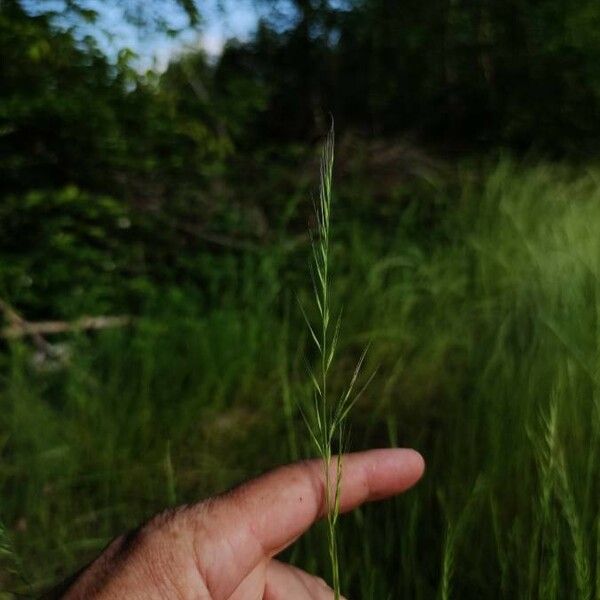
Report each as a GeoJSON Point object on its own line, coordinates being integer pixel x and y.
{"type": "Point", "coordinates": [265, 515]}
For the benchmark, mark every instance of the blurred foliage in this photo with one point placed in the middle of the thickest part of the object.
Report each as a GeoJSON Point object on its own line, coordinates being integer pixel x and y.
{"type": "Point", "coordinates": [105, 171]}
{"type": "Point", "coordinates": [486, 338]}
{"type": "Point", "coordinates": [211, 158]}
{"type": "Point", "coordinates": [72, 252]}
{"type": "Point", "coordinates": [70, 116]}
{"type": "Point", "coordinates": [182, 197]}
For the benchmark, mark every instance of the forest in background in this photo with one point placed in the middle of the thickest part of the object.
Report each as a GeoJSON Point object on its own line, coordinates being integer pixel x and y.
{"type": "Point", "coordinates": [164, 166]}
{"type": "Point", "coordinates": [465, 250]}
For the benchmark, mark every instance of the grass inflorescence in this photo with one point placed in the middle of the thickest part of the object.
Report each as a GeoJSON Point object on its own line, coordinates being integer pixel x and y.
{"type": "Point", "coordinates": [326, 420]}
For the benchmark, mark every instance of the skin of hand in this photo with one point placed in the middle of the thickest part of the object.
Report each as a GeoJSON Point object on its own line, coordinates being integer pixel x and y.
{"type": "Point", "coordinates": [223, 548]}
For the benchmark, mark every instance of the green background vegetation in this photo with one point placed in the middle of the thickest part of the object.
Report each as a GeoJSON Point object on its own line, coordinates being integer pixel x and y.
{"type": "Point", "coordinates": [465, 248]}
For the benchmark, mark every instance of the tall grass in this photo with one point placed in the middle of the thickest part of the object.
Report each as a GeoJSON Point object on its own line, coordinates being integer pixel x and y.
{"type": "Point", "coordinates": [485, 325]}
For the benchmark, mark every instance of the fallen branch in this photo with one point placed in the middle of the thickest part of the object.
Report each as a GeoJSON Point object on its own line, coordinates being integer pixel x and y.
{"type": "Point", "coordinates": [23, 328]}
{"type": "Point", "coordinates": [16, 321]}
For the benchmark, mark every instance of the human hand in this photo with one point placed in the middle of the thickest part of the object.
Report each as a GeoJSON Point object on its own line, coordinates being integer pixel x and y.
{"type": "Point", "coordinates": [223, 548]}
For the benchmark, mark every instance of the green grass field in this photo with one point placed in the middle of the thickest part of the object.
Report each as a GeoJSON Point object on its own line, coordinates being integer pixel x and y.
{"type": "Point", "coordinates": [484, 323]}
